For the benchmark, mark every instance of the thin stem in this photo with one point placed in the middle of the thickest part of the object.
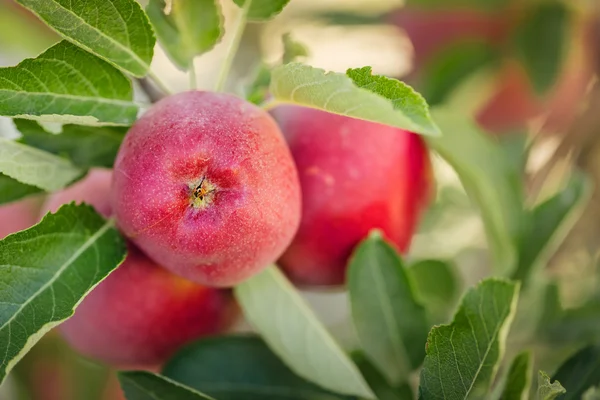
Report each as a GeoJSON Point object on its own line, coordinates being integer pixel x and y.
{"type": "Point", "coordinates": [158, 82]}
{"type": "Point", "coordinates": [234, 44]}
{"type": "Point", "coordinates": [193, 79]}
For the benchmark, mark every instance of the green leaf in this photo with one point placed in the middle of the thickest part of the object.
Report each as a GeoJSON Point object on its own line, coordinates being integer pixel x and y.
{"type": "Point", "coordinates": [463, 357]}
{"type": "Point", "coordinates": [518, 381]}
{"type": "Point", "coordinates": [85, 146]}
{"type": "Point", "coordinates": [142, 385]}
{"type": "Point", "coordinates": [378, 383]}
{"type": "Point", "coordinates": [580, 372]}
{"type": "Point", "coordinates": [546, 389]}
{"type": "Point", "coordinates": [117, 31]}
{"type": "Point", "coordinates": [258, 90]}
{"type": "Point", "coordinates": [293, 332]}
{"type": "Point", "coordinates": [68, 85]}
{"type": "Point", "coordinates": [262, 10]}
{"type": "Point", "coordinates": [489, 178]}
{"type": "Point", "coordinates": [292, 49]}
{"type": "Point", "coordinates": [437, 287]}
{"type": "Point", "coordinates": [359, 95]}
{"type": "Point", "coordinates": [550, 223]}
{"type": "Point", "coordinates": [12, 190]}
{"type": "Point", "coordinates": [257, 373]}
{"type": "Point", "coordinates": [546, 23]}
{"type": "Point", "coordinates": [47, 270]}
{"type": "Point", "coordinates": [391, 325]}
{"type": "Point", "coordinates": [36, 167]}
{"type": "Point", "coordinates": [191, 28]}
{"type": "Point", "coordinates": [452, 65]}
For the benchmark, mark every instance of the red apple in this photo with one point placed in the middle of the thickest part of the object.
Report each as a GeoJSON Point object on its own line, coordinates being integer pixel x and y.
{"type": "Point", "coordinates": [140, 314]}
{"type": "Point", "coordinates": [206, 186]}
{"type": "Point", "coordinates": [355, 176]}
{"type": "Point", "coordinates": [18, 216]}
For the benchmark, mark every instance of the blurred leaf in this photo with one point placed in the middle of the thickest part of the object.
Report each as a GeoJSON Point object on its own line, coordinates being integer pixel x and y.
{"type": "Point", "coordinates": [489, 178]}
{"type": "Point", "coordinates": [117, 31]}
{"type": "Point", "coordinates": [11, 189]}
{"type": "Point", "coordinates": [142, 385]}
{"type": "Point", "coordinates": [378, 383]}
{"type": "Point", "coordinates": [351, 18]}
{"type": "Point", "coordinates": [47, 270]}
{"type": "Point", "coordinates": [258, 90]}
{"type": "Point", "coordinates": [550, 223]}
{"type": "Point", "coordinates": [36, 167]}
{"type": "Point", "coordinates": [451, 66]}
{"type": "Point", "coordinates": [85, 146]}
{"type": "Point", "coordinates": [292, 49]}
{"type": "Point", "coordinates": [540, 40]}
{"type": "Point", "coordinates": [592, 394]}
{"type": "Point", "coordinates": [68, 85]}
{"type": "Point", "coordinates": [437, 287]}
{"type": "Point", "coordinates": [391, 325]}
{"type": "Point", "coordinates": [293, 332]}
{"type": "Point", "coordinates": [191, 28]}
{"type": "Point", "coordinates": [546, 389]}
{"type": "Point", "coordinates": [358, 95]}
{"type": "Point", "coordinates": [262, 10]}
{"type": "Point", "coordinates": [256, 374]}
{"type": "Point", "coordinates": [518, 381]}
{"type": "Point", "coordinates": [463, 357]}
{"type": "Point", "coordinates": [580, 372]}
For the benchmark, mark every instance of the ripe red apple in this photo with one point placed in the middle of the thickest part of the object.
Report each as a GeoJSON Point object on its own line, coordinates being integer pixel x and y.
{"type": "Point", "coordinates": [355, 176]}
{"type": "Point", "coordinates": [141, 313]}
{"type": "Point", "coordinates": [19, 215]}
{"type": "Point", "coordinates": [206, 186]}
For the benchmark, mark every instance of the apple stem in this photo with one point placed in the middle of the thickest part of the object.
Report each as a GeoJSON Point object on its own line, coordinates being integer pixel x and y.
{"type": "Point", "coordinates": [193, 79]}
{"type": "Point", "coordinates": [234, 44]}
{"type": "Point", "coordinates": [161, 85]}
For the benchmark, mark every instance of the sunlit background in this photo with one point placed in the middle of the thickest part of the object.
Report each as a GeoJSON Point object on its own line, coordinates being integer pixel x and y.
{"type": "Point", "coordinates": [451, 52]}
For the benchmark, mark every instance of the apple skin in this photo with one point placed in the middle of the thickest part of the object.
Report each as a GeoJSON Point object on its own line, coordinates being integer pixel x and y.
{"type": "Point", "coordinates": [172, 159]}
{"type": "Point", "coordinates": [19, 215]}
{"type": "Point", "coordinates": [355, 176]}
{"type": "Point", "coordinates": [141, 313]}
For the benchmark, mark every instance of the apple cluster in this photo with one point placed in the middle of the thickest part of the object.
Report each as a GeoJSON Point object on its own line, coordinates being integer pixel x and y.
{"type": "Point", "coordinates": [210, 189]}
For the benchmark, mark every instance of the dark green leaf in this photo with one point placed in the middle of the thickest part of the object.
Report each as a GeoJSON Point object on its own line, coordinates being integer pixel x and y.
{"type": "Point", "coordinates": [391, 325]}
{"type": "Point", "coordinates": [47, 270]}
{"type": "Point", "coordinates": [85, 146]}
{"type": "Point", "coordinates": [453, 64]}
{"type": "Point", "coordinates": [351, 18]}
{"type": "Point", "coordinates": [36, 167]}
{"type": "Point", "coordinates": [117, 31]}
{"type": "Point", "coordinates": [463, 357]}
{"type": "Point", "coordinates": [550, 223]}
{"type": "Point", "coordinates": [68, 85]}
{"type": "Point", "coordinates": [580, 372]}
{"type": "Point", "coordinates": [489, 178]}
{"type": "Point", "coordinates": [191, 28]}
{"type": "Point", "coordinates": [548, 390]}
{"type": "Point", "coordinates": [358, 95]}
{"type": "Point", "coordinates": [142, 385]}
{"type": "Point", "coordinates": [292, 330]}
{"type": "Point", "coordinates": [12, 190]}
{"type": "Point", "coordinates": [256, 374]}
{"type": "Point", "coordinates": [437, 287]}
{"type": "Point", "coordinates": [540, 40]}
{"type": "Point", "coordinates": [518, 381]}
{"type": "Point", "coordinates": [262, 10]}
{"type": "Point", "coordinates": [378, 383]}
